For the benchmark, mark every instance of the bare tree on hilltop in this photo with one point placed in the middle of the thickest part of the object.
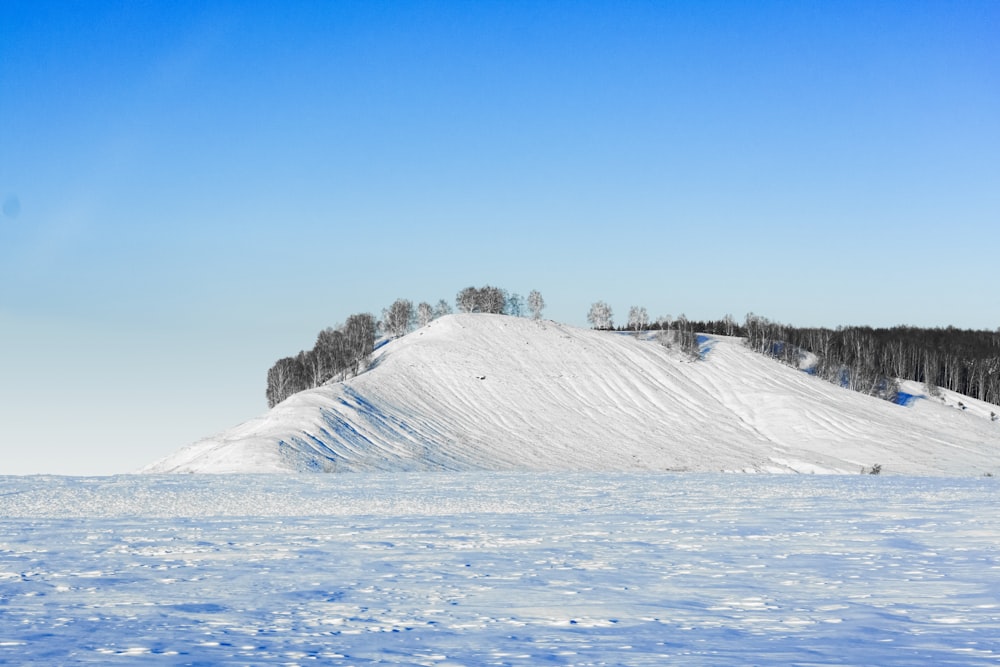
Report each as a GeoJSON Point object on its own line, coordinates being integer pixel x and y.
{"type": "Point", "coordinates": [638, 318]}
{"type": "Point", "coordinates": [486, 299]}
{"type": "Point", "coordinates": [286, 377]}
{"type": "Point", "coordinates": [442, 308]}
{"type": "Point", "coordinates": [359, 331]}
{"type": "Point", "coordinates": [515, 305]}
{"type": "Point", "coordinates": [311, 365]}
{"type": "Point", "coordinates": [491, 300]}
{"type": "Point", "coordinates": [600, 316]}
{"type": "Point", "coordinates": [466, 300]}
{"type": "Point", "coordinates": [535, 304]}
{"type": "Point", "coordinates": [425, 313]}
{"type": "Point", "coordinates": [330, 354]}
{"type": "Point", "coordinates": [396, 318]}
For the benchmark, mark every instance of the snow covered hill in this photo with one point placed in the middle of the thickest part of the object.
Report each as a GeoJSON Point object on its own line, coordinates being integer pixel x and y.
{"type": "Point", "coordinates": [472, 392]}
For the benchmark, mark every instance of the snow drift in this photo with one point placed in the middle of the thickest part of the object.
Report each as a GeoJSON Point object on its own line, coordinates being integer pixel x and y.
{"type": "Point", "coordinates": [490, 392]}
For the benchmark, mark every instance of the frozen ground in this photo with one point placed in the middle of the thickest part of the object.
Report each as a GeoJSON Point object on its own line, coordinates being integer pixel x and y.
{"type": "Point", "coordinates": [500, 569]}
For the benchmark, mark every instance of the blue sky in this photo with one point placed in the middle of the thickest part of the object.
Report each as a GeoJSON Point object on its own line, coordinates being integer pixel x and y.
{"type": "Point", "coordinates": [192, 190]}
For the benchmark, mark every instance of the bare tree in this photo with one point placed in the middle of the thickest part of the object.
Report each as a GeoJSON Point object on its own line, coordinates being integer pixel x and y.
{"type": "Point", "coordinates": [425, 313]}
{"type": "Point", "coordinates": [729, 324]}
{"type": "Point", "coordinates": [600, 316]}
{"type": "Point", "coordinates": [515, 305]}
{"type": "Point", "coordinates": [686, 336]}
{"type": "Point", "coordinates": [285, 377]}
{"type": "Point", "coordinates": [329, 354]}
{"type": "Point", "coordinates": [491, 300]}
{"type": "Point", "coordinates": [397, 317]}
{"type": "Point", "coordinates": [442, 308]}
{"type": "Point", "coordinates": [466, 300]}
{"type": "Point", "coordinates": [359, 332]}
{"type": "Point", "coordinates": [486, 299]}
{"type": "Point", "coordinates": [638, 318]}
{"type": "Point", "coordinates": [311, 368]}
{"type": "Point", "coordinates": [535, 304]}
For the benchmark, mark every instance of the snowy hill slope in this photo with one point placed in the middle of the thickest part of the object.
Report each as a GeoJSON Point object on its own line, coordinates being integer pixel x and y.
{"type": "Point", "coordinates": [502, 393]}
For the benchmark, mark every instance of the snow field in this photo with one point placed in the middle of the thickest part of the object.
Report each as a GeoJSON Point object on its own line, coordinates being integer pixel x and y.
{"type": "Point", "coordinates": [500, 569]}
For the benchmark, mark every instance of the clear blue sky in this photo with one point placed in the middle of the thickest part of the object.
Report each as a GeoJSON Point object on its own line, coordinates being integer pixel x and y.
{"type": "Point", "coordinates": [192, 190]}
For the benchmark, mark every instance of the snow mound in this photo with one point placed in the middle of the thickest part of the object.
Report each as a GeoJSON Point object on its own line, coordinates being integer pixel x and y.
{"type": "Point", "coordinates": [490, 392]}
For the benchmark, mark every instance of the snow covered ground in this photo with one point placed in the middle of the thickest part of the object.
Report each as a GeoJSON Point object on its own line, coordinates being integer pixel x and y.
{"type": "Point", "coordinates": [475, 392]}
{"type": "Point", "coordinates": [500, 569]}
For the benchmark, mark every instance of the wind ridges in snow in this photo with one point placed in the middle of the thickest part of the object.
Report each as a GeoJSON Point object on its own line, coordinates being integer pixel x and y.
{"type": "Point", "coordinates": [502, 393]}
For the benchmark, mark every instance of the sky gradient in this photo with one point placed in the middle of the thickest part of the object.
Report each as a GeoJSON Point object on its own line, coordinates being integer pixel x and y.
{"type": "Point", "coordinates": [191, 192]}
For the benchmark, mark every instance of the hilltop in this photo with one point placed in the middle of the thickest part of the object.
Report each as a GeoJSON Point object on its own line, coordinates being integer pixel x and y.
{"type": "Point", "coordinates": [479, 391]}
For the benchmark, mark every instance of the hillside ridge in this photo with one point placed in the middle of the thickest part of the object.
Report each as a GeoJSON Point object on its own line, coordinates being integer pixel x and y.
{"type": "Point", "coordinates": [493, 392]}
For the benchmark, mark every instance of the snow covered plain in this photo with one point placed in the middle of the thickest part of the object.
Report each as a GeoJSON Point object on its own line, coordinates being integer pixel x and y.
{"type": "Point", "coordinates": [490, 392]}
{"type": "Point", "coordinates": [484, 568]}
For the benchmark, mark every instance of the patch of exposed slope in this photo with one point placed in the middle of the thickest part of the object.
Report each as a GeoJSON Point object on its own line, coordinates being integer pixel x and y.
{"type": "Point", "coordinates": [503, 393]}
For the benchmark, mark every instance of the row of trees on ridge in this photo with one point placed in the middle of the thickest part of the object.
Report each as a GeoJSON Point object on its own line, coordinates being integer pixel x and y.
{"type": "Point", "coordinates": [338, 352]}
{"type": "Point", "coordinates": [864, 359]}
{"type": "Point", "coordinates": [345, 350]}
{"type": "Point", "coordinates": [679, 332]}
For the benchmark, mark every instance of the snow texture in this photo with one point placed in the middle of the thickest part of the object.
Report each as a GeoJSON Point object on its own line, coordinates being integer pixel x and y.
{"type": "Point", "coordinates": [489, 392]}
{"type": "Point", "coordinates": [500, 569]}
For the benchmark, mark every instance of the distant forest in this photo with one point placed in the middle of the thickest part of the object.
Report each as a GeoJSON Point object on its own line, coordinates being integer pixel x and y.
{"type": "Point", "coordinates": [869, 360]}
{"type": "Point", "coordinates": [865, 359]}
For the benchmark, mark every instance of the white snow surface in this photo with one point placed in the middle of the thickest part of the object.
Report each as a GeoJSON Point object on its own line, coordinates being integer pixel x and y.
{"type": "Point", "coordinates": [488, 568]}
{"type": "Point", "coordinates": [490, 392]}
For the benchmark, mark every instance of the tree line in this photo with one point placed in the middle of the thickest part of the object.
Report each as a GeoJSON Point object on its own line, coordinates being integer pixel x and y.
{"type": "Point", "coordinates": [338, 352]}
{"type": "Point", "coordinates": [498, 301]}
{"type": "Point", "coordinates": [870, 359]}
{"type": "Point", "coordinates": [675, 332]}
{"type": "Point", "coordinates": [865, 359]}
{"type": "Point", "coordinates": [346, 350]}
